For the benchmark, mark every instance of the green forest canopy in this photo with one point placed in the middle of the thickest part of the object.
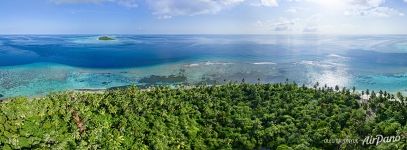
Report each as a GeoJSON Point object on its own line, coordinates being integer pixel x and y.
{"type": "Point", "coordinates": [231, 116]}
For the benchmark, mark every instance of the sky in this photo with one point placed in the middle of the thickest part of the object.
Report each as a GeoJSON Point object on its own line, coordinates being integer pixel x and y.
{"type": "Point", "coordinates": [203, 17]}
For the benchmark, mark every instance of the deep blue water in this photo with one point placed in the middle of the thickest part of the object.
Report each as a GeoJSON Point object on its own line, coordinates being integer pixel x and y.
{"type": "Point", "coordinates": [38, 64]}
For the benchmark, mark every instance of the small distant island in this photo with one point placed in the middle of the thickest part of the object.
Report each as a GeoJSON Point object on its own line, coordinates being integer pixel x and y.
{"type": "Point", "coordinates": [105, 38]}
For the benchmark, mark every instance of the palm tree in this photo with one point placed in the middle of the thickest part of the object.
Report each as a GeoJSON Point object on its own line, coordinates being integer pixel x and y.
{"type": "Point", "coordinates": [400, 96]}
{"type": "Point", "coordinates": [316, 85]}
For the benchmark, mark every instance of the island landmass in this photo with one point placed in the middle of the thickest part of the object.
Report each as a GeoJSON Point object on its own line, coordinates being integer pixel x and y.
{"type": "Point", "coordinates": [105, 38]}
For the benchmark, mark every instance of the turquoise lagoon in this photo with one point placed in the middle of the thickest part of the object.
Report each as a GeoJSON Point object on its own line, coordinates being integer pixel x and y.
{"type": "Point", "coordinates": [33, 65]}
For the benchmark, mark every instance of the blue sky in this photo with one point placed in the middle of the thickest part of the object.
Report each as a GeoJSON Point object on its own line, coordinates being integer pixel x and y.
{"type": "Point", "coordinates": [203, 17]}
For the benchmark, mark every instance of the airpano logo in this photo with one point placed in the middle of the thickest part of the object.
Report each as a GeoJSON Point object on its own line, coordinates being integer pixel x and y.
{"type": "Point", "coordinates": [368, 140]}
{"type": "Point", "coordinates": [378, 139]}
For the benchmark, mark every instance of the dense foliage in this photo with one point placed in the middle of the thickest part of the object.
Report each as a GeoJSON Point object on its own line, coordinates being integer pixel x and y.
{"type": "Point", "coordinates": [231, 116]}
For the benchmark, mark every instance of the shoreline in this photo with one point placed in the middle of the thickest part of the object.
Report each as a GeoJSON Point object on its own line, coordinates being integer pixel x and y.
{"type": "Point", "coordinates": [363, 96]}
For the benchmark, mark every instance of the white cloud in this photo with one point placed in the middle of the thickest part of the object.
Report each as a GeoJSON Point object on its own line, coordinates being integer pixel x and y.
{"type": "Point", "coordinates": [126, 3]}
{"type": "Point", "coordinates": [75, 1]}
{"type": "Point", "coordinates": [374, 8]}
{"type": "Point", "coordinates": [310, 29]}
{"type": "Point", "coordinates": [282, 24]}
{"type": "Point", "coordinates": [265, 3]}
{"type": "Point", "coordinates": [295, 25]}
{"type": "Point", "coordinates": [367, 3]}
{"type": "Point", "coordinates": [292, 10]}
{"type": "Point", "coordinates": [269, 3]}
{"type": "Point", "coordinates": [374, 11]}
{"type": "Point", "coordinates": [170, 8]}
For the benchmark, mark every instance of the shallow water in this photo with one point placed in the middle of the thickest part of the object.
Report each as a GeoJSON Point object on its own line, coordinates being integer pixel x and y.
{"type": "Point", "coordinates": [33, 65]}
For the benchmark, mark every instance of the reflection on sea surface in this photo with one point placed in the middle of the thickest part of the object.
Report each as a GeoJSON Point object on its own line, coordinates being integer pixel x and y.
{"type": "Point", "coordinates": [36, 65]}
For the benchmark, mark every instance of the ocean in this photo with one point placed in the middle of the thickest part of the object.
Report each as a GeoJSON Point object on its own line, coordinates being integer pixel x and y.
{"type": "Point", "coordinates": [34, 65]}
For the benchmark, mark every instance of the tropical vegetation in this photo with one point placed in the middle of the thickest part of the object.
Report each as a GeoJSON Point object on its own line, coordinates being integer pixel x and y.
{"type": "Point", "coordinates": [230, 116]}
